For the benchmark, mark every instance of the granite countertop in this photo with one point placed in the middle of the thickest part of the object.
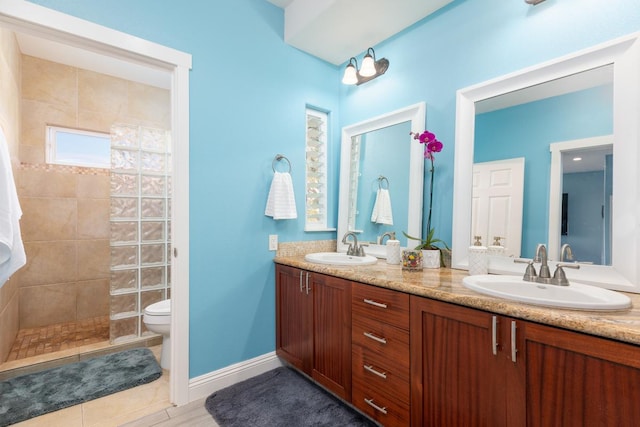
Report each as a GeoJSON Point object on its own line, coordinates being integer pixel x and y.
{"type": "Point", "coordinates": [445, 284]}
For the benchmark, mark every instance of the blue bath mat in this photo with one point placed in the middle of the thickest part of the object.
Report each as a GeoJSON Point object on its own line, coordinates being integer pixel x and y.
{"type": "Point", "coordinates": [30, 395]}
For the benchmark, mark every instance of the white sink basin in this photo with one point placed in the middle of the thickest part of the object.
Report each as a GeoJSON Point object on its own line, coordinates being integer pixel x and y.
{"type": "Point", "coordinates": [575, 296]}
{"type": "Point", "coordinates": [340, 258]}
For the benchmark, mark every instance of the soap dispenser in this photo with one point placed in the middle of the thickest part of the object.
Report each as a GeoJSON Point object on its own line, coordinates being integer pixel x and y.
{"type": "Point", "coordinates": [393, 251]}
{"type": "Point", "coordinates": [496, 248]}
{"type": "Point", "coordinates": [478, 261]}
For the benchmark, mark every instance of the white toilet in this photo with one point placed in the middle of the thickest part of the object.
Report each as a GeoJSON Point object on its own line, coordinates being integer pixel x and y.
{"type": "Point", "coordinates": [157, 318]}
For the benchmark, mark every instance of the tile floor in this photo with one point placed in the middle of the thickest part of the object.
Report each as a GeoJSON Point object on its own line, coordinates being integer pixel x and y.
{"type": "Point", "coordinates": [61, 336]}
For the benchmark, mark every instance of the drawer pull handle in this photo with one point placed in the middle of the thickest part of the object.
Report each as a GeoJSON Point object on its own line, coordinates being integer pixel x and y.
{"type": "Point", "coordinates": [375, 372]}
{"type": "Point", "coordinates": [374, 303]}
{"type": "Point", "coordinates": [374, 406]}
{"type": "Point", "coordinates": [375, 338]}
{"type": "Point", "coordinates": [494, 335]}
{"type": "Point", "coordinates": [514, 348]}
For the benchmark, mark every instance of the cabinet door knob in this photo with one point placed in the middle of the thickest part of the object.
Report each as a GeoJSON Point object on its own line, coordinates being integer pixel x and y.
{"type": "Point", "coordinates": [375, 338]}
{"type": "Point", "coordinates": [374, 406]}
{"type": "Point", "coordinates": [375, 303]}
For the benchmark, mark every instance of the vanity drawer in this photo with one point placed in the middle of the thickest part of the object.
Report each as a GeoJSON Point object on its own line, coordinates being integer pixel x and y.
{"type": "Point", "coordinates": [380, 373]}
{"type": "Point", "coordinates": [379, 405]}
{"type": "Point", "coordinates": [388, 342]}
{"type": "Point", "coordinates": [383, 304]}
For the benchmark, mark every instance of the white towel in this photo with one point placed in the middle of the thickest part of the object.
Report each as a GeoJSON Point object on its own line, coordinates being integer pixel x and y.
{"type": "Point", "coordinates": [281, 203]}
{"type": "Point", "coordinates": [381, 213]}
{"type": "Point", "coordinates": [12, 255]}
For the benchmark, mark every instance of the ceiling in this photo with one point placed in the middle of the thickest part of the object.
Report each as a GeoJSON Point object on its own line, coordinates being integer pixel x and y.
{"type": "Point", "coordinates": [336, 30]}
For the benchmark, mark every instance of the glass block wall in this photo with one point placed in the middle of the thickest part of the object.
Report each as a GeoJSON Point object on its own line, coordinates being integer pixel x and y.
{"type": "Point", "coordinates": [140, 226]}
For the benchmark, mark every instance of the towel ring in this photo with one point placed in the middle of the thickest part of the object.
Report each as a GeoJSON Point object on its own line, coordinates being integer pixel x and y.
{"type": "Point", "coordinates": [277, 158]}
{"type": "Point", "coordinates": [380, 180]}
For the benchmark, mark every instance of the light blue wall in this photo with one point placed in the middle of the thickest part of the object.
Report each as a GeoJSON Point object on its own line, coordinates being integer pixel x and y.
{"type": "Point", "coordinates": [243, 114]}
{"type": "Point", "coordinates": [526, 131]}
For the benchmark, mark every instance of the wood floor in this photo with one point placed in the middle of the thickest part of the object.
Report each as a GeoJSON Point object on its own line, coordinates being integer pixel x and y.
{"type": "Point", "coordinates": [192, 415]}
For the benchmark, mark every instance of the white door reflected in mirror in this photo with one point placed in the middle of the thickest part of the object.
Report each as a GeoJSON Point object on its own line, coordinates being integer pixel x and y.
{"type": "Point", "coordinates": [496, 209]}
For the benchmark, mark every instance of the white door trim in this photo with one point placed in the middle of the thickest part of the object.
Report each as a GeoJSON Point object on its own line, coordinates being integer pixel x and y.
{"type": "Point", "coordinates": [24, 17]}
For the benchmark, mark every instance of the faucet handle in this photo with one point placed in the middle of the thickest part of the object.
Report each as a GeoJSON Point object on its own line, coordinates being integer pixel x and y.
{"type": "Point", "coordinates": [559, 276]}
{"type": "Point", "coordinates": [360, 250]}
{"type": "Point", "coordinates": [530, 273]}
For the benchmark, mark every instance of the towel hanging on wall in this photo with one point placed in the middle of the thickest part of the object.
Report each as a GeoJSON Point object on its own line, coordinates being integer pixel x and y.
{"type": "Point", "coordinates": [12, 255]}
{"type": "Point", "coordinates": [382, 213]}
{"type": "Point", "coordinates": [281, 203]}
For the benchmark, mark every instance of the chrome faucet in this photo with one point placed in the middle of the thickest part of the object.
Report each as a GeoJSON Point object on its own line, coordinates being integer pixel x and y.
{"type": "Point", "coordinates": [390, 234]}
{"type": "Point", "coordinates": [544, 275]}
{"type": "Point", "coordinates": [566, 254]}
{"type": "Point", "coordinates": [559, 277]}
{"type": "Point", "coordinates": [354, 248]}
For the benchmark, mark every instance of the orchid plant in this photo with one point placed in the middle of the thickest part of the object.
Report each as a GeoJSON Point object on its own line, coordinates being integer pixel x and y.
{"type": "Point", "coordinates": [431, 146]}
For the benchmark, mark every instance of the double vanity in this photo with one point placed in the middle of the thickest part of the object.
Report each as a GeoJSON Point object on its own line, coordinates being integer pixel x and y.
{"type": "Point", "coordinates": [422, 349]}
{"type": "Point", "coordinates": [442, 348]}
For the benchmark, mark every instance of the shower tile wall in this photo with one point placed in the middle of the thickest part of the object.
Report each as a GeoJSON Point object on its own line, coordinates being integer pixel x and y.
{"type": "Point", "coordinates": [65, 223]}
{"type": "Point", "coordinates": [10, 61]}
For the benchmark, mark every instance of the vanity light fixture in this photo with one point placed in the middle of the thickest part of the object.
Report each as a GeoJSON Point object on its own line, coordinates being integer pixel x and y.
{"type": "Point", "coordinates": [369, 71]}
{"type": "Point", "coordinates": [533, 2]}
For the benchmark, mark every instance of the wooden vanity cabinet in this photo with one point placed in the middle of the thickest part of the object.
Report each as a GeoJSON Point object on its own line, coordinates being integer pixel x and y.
{"type": "Point", "coordinates": [313, 326]}
{"type": "Point", "coordinates": [575, 379]}
{"type": "Point", "coordinates": [380, 345]}
{"type": "Point", "coordinates": [534, 375]}
{"type": "Point", "coordinates": [461, 367]}
{"type": "Point", "coordinates": [294, 318]}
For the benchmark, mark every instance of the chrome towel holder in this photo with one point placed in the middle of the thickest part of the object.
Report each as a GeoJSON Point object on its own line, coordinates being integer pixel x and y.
{"type": "Point", "coordinates": [382, 179]}
{"type": "Point", "coordinates": [277, 158]}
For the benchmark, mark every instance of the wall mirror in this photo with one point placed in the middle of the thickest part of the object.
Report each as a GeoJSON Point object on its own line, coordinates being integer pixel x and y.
{"type": "Point", "coordinates": [379, 153]}
{"type": "Point", "coordinates": [620, 60]}
{"type": "Point", "coordinates": [522, 125]}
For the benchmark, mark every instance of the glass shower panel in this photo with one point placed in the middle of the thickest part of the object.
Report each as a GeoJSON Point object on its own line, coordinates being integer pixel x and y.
{"type": "Point", "coordinates": [140, 238]}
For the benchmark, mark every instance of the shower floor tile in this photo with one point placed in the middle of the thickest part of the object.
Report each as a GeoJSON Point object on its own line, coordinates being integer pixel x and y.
{"type": "Point", "coordinates": [61, 336]}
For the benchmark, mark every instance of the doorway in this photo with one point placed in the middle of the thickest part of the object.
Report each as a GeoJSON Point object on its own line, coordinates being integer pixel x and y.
{"type": "Point", "coordinates": [111, 50]}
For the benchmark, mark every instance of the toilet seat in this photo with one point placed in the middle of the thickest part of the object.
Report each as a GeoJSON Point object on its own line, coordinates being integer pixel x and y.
{"type": "Point", "coordinates": [160, 308]}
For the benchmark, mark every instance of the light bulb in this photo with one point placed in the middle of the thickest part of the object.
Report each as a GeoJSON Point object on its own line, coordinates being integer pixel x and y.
{"type": "Point", "coordinates": [350, 77]}
{"type": "Point", "coordinates": [368, 66]}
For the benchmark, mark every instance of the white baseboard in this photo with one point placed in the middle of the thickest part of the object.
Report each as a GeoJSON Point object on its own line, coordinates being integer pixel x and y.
{"type": "Point", "coordinates": [202, 386]}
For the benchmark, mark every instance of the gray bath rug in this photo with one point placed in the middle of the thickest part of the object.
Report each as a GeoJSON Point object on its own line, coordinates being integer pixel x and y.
{"type": "Point", "coordinates": [280, 397]}
{"type": "Point", "coordinates": [38, 393]}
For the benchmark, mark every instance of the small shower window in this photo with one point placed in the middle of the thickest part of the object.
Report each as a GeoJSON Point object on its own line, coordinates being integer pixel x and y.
{"type": "Point", "coordinates": [75, 147]}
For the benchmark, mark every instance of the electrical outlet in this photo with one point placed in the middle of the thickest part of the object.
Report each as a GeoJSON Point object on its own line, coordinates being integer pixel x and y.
{"type": "Point", "coordinates": [273, 242]}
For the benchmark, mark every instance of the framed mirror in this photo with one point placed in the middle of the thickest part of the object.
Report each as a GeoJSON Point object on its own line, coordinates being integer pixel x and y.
{"type": "Point", "coordinates": [621, 59]}
{"type": "Point", "coordinates": [379, 153]}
